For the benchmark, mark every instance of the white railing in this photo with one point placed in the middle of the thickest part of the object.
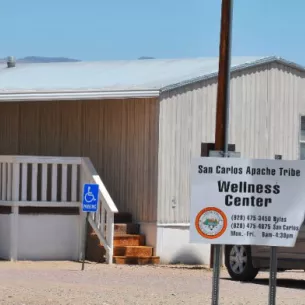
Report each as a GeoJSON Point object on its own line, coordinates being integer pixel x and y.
{"type": "Point", "coordinates": [40, 181]}
{"type": "Point", "coordinates": [33, 181]}
{"type": "Point", "coordinates": [101, 221]}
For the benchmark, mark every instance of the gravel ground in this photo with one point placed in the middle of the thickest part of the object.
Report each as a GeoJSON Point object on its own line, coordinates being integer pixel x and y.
{"type": "Point", "coordinates": [40, 283]}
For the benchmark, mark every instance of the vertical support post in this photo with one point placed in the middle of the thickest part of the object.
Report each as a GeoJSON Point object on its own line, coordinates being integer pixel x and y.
{"type": "Point", "coordinates": [222, 112]}
{"type": "Point", "coordinates": [74, 183]}
{"type": "Point", "coordinates": [15, 212]}
{"type": "Point", "coordinates": [9, 181]}
{"type": "Point", "coordinates": [273, 266]}
{"type": "Point", "coordinates": [85, 246]}
{"type": "Point", "coordinates": [110, 235]}
{"type": "Point", "coordinates": [34, 181]}
{"type": "Point", "coordinates": [64, 184]}
{"type": "Point", "coordinates": [82, 218]}
{"type": "Point", "coordinates": [54, 182]}
{"type": "Point", "coordinates": [4, 180]}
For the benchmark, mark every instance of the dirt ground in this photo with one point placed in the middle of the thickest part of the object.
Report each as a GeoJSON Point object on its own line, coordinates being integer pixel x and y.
{"type": "Point", "coordinates": [40, 283]}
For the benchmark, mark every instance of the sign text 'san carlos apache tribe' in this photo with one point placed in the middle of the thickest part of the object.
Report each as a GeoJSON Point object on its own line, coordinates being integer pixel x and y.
{"type": "Point", "coordinates": [240, 201]}
{"type": "Point", "coordinates": [266, 171]}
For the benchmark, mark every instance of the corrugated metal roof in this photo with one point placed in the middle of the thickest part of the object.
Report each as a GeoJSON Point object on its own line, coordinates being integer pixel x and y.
{"type": "Point", "coordinates": [113, 78]}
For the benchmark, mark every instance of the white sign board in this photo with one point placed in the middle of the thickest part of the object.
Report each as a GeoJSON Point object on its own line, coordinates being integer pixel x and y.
{"type": "Point", "coordinates": [248, 202]}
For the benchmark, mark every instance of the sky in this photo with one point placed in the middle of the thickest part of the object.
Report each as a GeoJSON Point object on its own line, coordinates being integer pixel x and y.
{"type": "Point", "coordinates": [121, 29]}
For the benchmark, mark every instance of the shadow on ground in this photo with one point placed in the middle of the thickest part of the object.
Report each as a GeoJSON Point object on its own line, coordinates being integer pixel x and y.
{"type": "Point", "coordinates": [285, 283]}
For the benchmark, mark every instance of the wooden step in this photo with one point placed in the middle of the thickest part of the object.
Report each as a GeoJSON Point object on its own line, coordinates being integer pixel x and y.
{"type": "Point", "coordinates": [122, 229]}
{"type": "Point", "coordinates": [133, 251]}
{"type": "Point", "coordinates": [134, 260]}
{"type": "Point", "coordinates": [129, 240]}
{"type": "Point", "coordinates": [126, 228]}
{"type": "Point", "coordinates": [129, 244]}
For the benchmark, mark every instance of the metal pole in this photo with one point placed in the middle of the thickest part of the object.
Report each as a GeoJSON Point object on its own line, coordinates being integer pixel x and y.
{"type": "Point", "coordinates": [216, 274]}
{"type": "Point", "coordinates": [86, 241]}
{"type": "Point", "coordinates": [222, 113]}
{"type": "Point", "coordinates": [272, 276]}
{"type": "Point", "coordinates": [273, 267]}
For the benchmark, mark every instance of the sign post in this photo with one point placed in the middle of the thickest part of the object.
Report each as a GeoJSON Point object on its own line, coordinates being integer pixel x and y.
{"type": "Point", "coordinates": [89, 205]}
{"type": "Point", "coordinates": [273, 275]}
{"type": "Point", "coordinates": [273, 266]}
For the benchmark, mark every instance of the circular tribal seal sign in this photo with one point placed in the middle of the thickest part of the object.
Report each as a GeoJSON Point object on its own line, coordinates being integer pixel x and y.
{"type": "Point", "coordinates": [211, 223]}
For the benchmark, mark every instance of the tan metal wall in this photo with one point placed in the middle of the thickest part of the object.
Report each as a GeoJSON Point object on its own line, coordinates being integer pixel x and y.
{"type": "Point", "coordinates": [266, 103]}
{"type": "Point", "coordinates": [120, 137]}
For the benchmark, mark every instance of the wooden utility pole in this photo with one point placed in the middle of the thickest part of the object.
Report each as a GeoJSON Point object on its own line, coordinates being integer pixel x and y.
{"type": "Point", "coordinates": [223, 91]}
{"type": "Point", "coordinates": [222, 114]}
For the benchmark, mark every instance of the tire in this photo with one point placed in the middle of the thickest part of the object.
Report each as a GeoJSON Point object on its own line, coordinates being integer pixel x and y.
{"type": "Point", "coordinates": [238, 261]}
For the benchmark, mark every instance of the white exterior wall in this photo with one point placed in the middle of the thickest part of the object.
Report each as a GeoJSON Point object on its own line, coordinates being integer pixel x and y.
{"type": "Point", "coordinates": [265, 106]}
{"type": "Point", "coordinates": [5, 236]}
{"type": "Point", "coordinates": [48, 237]}
{"type": "Point", "coordinates": [149, 229]}
{"type": "Point", "coordinates": [265, 110]}
{"type": "Point", "coordinates": [173, 247]}
{"type": "Point", "coordinates": [187, 118]}
{"type": "Point", "coordinates": [266, 103]}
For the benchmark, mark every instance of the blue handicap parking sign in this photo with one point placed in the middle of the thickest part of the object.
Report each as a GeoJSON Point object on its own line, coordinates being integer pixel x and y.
{"type": "Point", "coordinates": [90, 197]}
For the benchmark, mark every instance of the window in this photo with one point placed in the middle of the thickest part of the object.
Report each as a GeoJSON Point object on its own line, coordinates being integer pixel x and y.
{"type": "Point", "coordinates": [302, 139]}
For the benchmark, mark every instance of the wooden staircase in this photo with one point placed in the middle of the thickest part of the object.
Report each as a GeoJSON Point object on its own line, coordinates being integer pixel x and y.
{"type": "Point", "coordinates": [129, 244]}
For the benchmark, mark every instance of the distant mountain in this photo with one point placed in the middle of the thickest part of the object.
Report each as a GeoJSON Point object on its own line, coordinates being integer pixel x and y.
{"type": "Point", "coordinates": [41, 59]}
{"type": "Point", "coordinates": [145, 57]}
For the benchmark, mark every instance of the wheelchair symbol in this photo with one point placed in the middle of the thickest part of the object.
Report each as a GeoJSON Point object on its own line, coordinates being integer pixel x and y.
{"type": "Point", "coordinates": [89, 197]}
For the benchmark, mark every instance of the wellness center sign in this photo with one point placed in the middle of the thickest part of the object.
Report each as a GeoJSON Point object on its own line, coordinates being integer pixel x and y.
{"type": "Point", "coordinates": [249, 202]}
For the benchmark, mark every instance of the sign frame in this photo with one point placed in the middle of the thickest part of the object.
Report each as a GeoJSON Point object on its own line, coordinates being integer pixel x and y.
{"type": "Point", "coordinates": [253, 195]}
{"type": "Point", "coordinates": [90, 197]}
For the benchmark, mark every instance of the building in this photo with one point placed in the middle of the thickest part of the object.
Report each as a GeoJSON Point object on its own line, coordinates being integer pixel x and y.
{"type": "Point", "coordinates": [141, 122]}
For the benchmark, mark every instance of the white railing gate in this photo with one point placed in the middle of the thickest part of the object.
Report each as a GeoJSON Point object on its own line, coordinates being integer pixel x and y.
{"type": "Point", "coordinates": [32, 181]}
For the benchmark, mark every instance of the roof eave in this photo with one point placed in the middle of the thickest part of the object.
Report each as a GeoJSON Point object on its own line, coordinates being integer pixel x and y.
{"type": "Point", "coordinates": [237, 68]}
{"type": "Point", "coordinates": [75, 95]}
